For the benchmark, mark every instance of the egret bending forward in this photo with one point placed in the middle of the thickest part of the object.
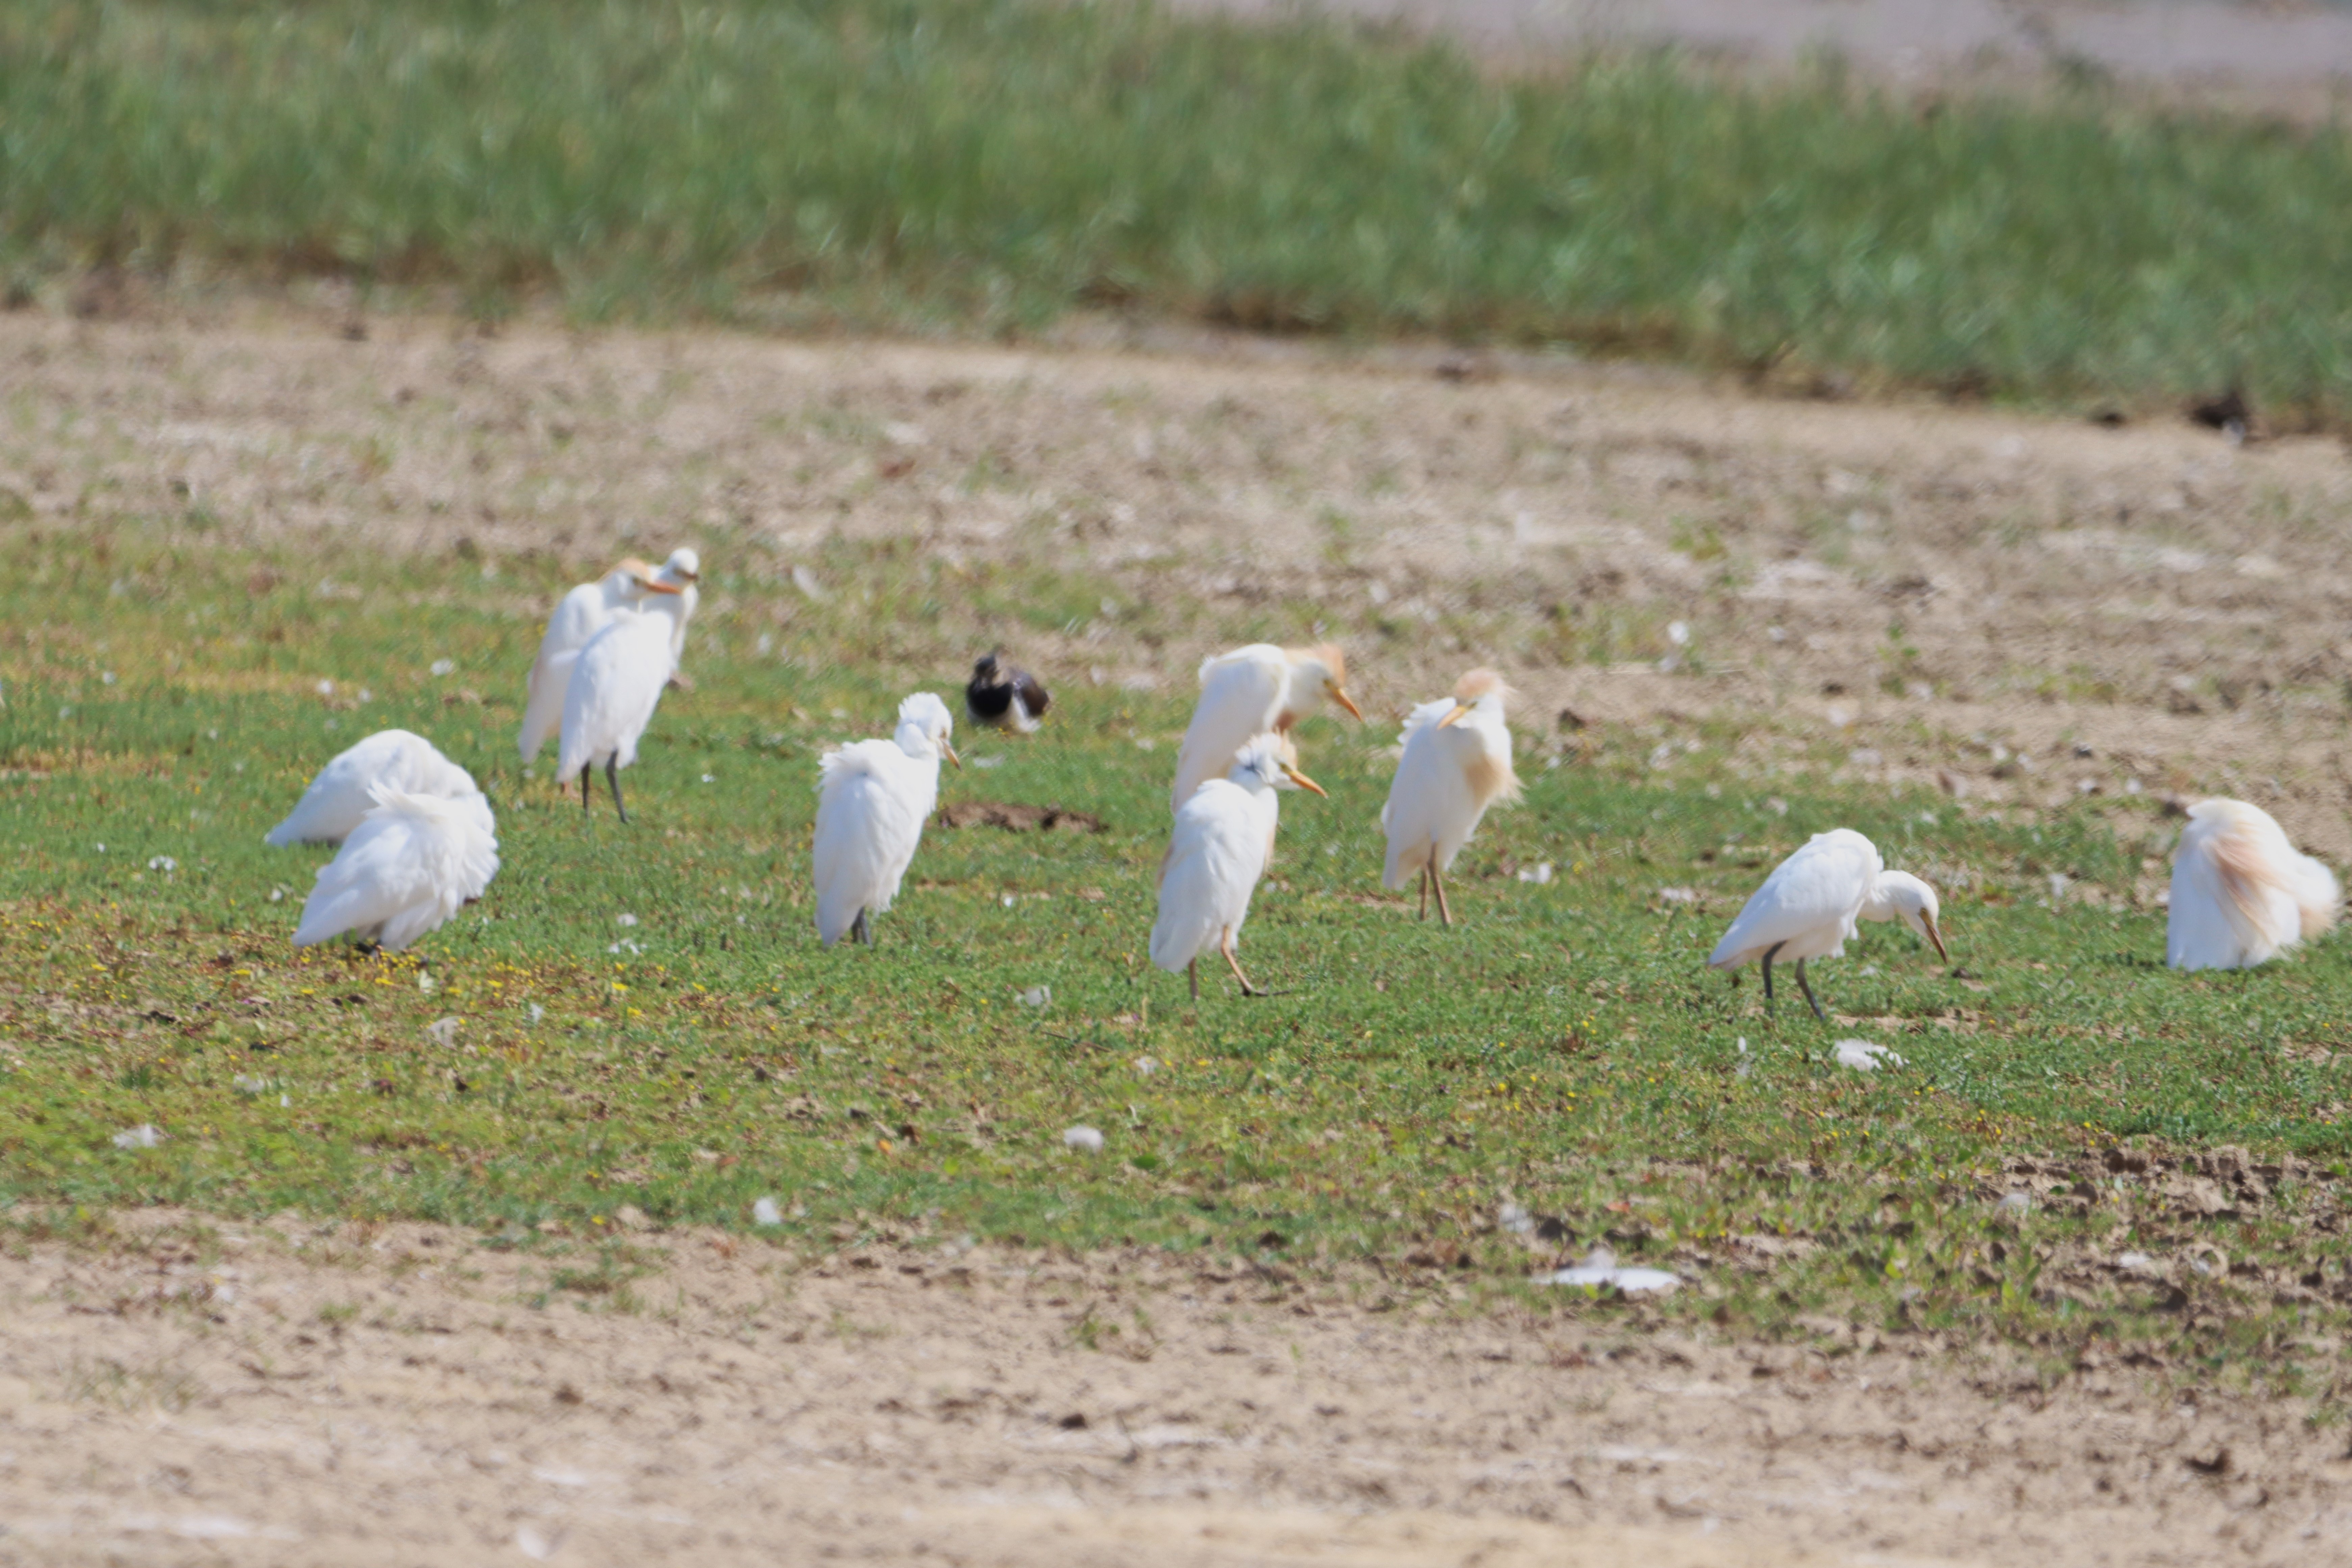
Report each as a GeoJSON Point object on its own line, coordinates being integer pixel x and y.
{"type": "Point", "coordinates": [1456, 764]}
{"type": "Point", "coordinates": [872, 799]}
{"type": "Point", "coordinates": [410, 864]}
{"type": "Point", "coordinates": [2241, 893]}
{"type": "Point", "coordinates": [342, 793]}
{"type": "Point", "coordinates": [1246, 693]}
{"type": "Point", "coordinates": [1222, 840]}
{"type": "Point", "coordinates": [1807, 907]}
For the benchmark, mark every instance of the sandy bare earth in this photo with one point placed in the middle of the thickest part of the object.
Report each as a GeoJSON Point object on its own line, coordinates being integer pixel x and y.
{"type": "Point", "coordinates": [289, 1394]}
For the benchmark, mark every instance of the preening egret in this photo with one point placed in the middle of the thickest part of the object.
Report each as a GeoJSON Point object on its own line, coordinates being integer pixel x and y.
{"type": "Point", "coordinates": [1004, 696]}
{"type": "Point", "coordinates": [2241, 894]}
{"type": "Point", "coordinates": [1807, 907]}
{"type": "Point", "coordinates": [1223, 836]}
{"type": "Point", "coordinates": [872, 799]}
{"type": "Point", "coordinates": [1456, 764]}
{"type": "Point", "coordinates": [1246, 693]}
{"type": "Point", "coordinates": [407, 867]}
{"type": "Point", "coordinates": [614, 689]}
{"type": "Point", "coordinates": [578, 616]}
{"type": "Point", "coordinates": [338, 797]}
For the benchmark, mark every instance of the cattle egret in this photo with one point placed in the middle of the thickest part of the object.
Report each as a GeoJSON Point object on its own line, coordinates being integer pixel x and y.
{"type": "Point", "coordinates": [1456, 764]}
{"type": "Point", "coordinates": [1005, 697]}
{"type": "Point", "coordinates": [682, 574]}
{"type": "Point", "coordinates": [338, 797]}
{"type": "Point", "coordinates": [407, 867]}
{"type": "Point", "coordinates": [578, 616]}
{"type": "Point", "coordinates": [1246, 693]}
{"type": "Point", "coordinates": [1807, 907]}
{"type": "Point", "coordinates": [2241, 894]}
{"type": "Point", "coordinates": [614, 689]}
{"type": "Point", "coordinates": [872, 799]}
{"type": "Point", "coordinates": [1222, 840]}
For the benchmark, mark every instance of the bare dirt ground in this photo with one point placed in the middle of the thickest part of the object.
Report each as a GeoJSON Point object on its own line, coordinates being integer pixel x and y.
{"type": "Point", "coordinates": [359, 1396]}
{"type": "Point", "coordinates": [2023, 608]}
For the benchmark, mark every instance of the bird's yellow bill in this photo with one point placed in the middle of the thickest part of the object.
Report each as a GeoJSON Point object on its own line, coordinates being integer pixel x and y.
{"type": "Point", "coordinates": [1303, 782]}
{"type": "Point", "coordinates": [651, 586]}
{"type": "Point", "coordinates": [951, 756]}
{"type": "Point", "coordinates": [1339, 695]}
{"type": "Point", "coordinates": [1460, 710]}
{"type": "Point", "coordinates": [1938, 938]}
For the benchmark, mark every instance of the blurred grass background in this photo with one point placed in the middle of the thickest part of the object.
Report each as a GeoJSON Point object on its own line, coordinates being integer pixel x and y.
{"type": "Point", "coordinates": [988, 165]}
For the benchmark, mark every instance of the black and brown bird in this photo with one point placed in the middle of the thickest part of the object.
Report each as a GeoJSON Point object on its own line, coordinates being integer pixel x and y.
{"type": "Point", "coordinates": [1000, 695]}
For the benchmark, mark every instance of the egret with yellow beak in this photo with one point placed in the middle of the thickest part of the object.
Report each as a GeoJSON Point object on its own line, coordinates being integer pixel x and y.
{"type": "Point", "coordinates": [1222, 840]}
{"type": "Point", "coordinates": [1456, 764]}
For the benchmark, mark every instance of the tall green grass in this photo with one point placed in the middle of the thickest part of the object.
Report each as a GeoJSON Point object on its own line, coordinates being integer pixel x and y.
{"type": "Point", "coordinates": [990, 163]}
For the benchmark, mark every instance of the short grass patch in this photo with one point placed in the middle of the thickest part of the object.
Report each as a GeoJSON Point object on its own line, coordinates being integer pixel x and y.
{"type": "Point", "coordinates": [636, 1026]}
{"type": "Point", "coordinates": [990, 164]}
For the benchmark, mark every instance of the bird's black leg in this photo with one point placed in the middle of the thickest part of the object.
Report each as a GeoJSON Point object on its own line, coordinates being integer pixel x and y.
{"type": "Point", "coordinates": [1806, 986]}
{"type": "Point", "coordinates": [613, 777]}
{"type": "Point", "coordinates": [1193, 974]}
{"type": "Point", "coordinates": [1768, 971]}
{"type": "Point", "coordinates": [584, 767]}
{"type": "Point", "coordinates": [859, 928]}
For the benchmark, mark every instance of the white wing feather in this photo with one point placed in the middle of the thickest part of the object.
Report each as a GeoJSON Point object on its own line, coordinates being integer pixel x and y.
{"type": "Point", "coordinates": [409, 865]}
{"type": "Point", "coordinates": [1241, 696]}
{"type": "Point", "coordinates": [579, 616]}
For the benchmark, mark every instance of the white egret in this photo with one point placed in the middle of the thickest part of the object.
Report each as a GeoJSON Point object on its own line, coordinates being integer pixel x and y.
{"type": "Point", "coordinates": [873, 797]}
{"type": "Point", "coordinates": [578, 616]}
{"type": "Point", "coordinates": [1807, 907]}
{"type": "Point", "coordinates": [340, 796]}
{"type": "Point", "coordinates": [614, 689]}
{"type": "Point", "coordinates": [410, 864]}
{"type": "Point", "coordinates": [1248, 692]}
{"type": "Point", "coordinates": [1223, 836]}
{"type": "Point", "coordinates": [1004, 696]}
{"type": "Point", "coordinates": [2241, 893]}
{"type": "Point", "coordinates": [680, 574]}
{"type": "Point", "coordinates": [1456, 764]}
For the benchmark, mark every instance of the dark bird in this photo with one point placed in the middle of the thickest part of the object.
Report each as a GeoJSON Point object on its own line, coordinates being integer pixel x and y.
{"type": "Point", "coordinates": [1007, 697]}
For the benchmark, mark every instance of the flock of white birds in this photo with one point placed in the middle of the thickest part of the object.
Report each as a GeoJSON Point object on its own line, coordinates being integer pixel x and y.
{"type": "Point", "coordinates": [417, 840]}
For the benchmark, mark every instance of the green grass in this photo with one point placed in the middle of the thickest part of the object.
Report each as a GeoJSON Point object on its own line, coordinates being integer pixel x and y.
{"type": "Point", "coordinates": [1563, 1049]}
{"type": "Point", "coordinates": [988, 165]}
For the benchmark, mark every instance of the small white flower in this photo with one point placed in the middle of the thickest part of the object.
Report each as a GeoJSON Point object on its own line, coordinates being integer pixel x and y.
{"type": "Point", "coordinates": [106, 678]}
{"type": "Point", "coordinates": [2015, 1203]}
{"type": "Point", "coordinates": [625, 919]}
{"type": "Point", "coordinates": [163, 863]}
{"type": "Point", "coordinates": [1010, 900]}
{"type": "Point", "coordinates": [277, 895]}
{"type": "Point", "coordinates": [143, 1136]}
{"type": "Point", "coordinates": [247, 1084]}
{"type": "Point", "coordinates": [1679, 633]}
{"type": "Point", "coordinates": [1084, 1139]}
{"type": "Point", "coordinates": [326, 688]}
{"type": "Point", "coordinates": [443, 665]}
{"type": "Point", "coordinates": [537, 1012]}
{"type": "Point", "coordinates": [443, 1031]}
{"type": "Point", "coordinates": [765, 1212]}
{"type": "Point", "coordinates": [1147, 1066]}
{"type": "Point", "coordinates": [1537, 874]}
{"type": "Point", "coordinates": [424, 984]}
{"type": "Point", "coordinates": [1037, 996]}
{"type": "Point", "coordinates": [711, 778]}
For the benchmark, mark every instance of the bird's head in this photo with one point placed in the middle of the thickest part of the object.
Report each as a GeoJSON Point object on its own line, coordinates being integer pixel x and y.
{"type": "Point", "coordinates": [1272, 760]}
{"type": "Point", "coordinates": [1318, 673]}
{"type": "Point", "coordinates": [1479, 689]}
{"type": "Point", "coordinates": [983, 669]}
{"type": "Point", "coordinates": [683, 567]}
{"type": "Point", "coordinates": [924, 717]}
{"type": "Point", "coordinates": [1903, 896]}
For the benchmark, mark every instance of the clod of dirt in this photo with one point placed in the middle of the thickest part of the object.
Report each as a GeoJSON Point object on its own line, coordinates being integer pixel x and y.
{"type": "Point", "coordinates": [1016, 818]}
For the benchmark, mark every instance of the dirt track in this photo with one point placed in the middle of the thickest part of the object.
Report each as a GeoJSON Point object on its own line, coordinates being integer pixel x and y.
{"type": "Point", "coordinates": [288, 1394]}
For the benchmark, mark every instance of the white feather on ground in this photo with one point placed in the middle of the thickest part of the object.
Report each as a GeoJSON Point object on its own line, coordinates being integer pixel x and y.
{"type": "Point", "coordinates": [1600, 1270]}
{"type": "Point", "coordinates": [340, 795]}
{"type": "Point", "coordinates": [412, 862]}
{"type": "Point", "coordinates": [873, 797]}
{"type": "Point", "coordinates": [2242, 892]}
